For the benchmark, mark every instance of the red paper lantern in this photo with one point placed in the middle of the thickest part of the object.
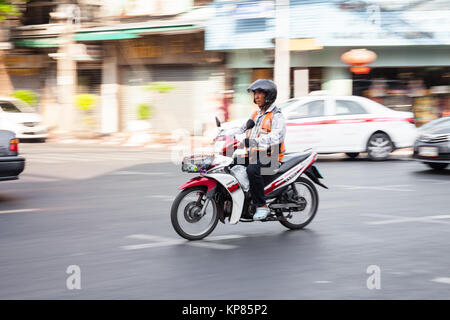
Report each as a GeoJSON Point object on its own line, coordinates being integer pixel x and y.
{"type": "Point", "coordinates": [360, 70]}
{"type": "Point", "coordinates": [358, 57]}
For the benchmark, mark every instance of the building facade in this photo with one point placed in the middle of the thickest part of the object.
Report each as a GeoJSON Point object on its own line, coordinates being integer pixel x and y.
{"type": "Point", "coordinates": [128, 54]}
{"type": "Point", "coordinates": [410, 38]}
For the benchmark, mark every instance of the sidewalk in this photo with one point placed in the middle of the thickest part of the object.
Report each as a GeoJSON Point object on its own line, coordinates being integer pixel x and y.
{"type": "Point", "coordinates": [150, 141]}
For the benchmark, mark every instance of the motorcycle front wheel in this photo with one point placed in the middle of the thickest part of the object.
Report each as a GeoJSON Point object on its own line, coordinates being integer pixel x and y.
{"type": "Point", "coordinates": [187, 217]}
{"type": "Point", "coordinates": [308, 196]}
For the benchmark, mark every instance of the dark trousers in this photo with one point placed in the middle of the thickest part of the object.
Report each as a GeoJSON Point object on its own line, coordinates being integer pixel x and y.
{"type": "Point", "coordinates": [256, 180]}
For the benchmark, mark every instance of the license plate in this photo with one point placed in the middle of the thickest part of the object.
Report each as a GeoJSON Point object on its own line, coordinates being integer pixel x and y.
{"type": "Point", "coordinates": [428, 151]}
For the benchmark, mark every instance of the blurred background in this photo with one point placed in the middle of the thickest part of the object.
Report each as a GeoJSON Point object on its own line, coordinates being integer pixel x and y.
{"type": "Point", "coordinates": [120, 88]}
{"type": "Point", "coordinates": [119, 66]}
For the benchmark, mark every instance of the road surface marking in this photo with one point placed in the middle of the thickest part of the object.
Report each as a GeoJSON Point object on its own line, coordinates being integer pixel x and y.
{"type": "Point", "coordinates": [400, 219]}
{"type": "Point", "coordinates": [164, 242]}
{"type": "Point", "coordinates": [442, 280]}
{"type": "Point", "coordinates": [152, 245]}
{"type": "Point", "coordinates": [211, 245]}
{"type": "Point", "coordinates": [139, 173]}
{"type": "Point", "coordinates": [150, 237]}
{"type": "Point", "coordinates": [323, 282]}
{"type": "Point", "coordinates": [163, 198]}
{"type": "Point", "coordinates": [19, 210]}
{"type": "Point", "coordinates": [400, 187]}
{"type": "Point", "coordinates": [435, 181]}
{"type": "Point", "coordinates": [226, 237]}
{"type": "Point", "coordinates": [210, 242]}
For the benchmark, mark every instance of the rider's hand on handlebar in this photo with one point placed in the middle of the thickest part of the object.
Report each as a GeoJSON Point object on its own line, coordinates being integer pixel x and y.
{"type": "Point", "coordinates": [249, 142]}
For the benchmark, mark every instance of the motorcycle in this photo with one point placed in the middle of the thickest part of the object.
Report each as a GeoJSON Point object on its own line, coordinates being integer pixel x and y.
{"type": "Point", "coordinates": [221, 191]}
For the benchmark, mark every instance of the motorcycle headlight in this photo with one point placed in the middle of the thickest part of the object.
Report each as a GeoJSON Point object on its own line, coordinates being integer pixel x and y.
{"type": "Point", "coordinates": [206, 163]}
{"type": "Point", "coordinates": [197, 163]}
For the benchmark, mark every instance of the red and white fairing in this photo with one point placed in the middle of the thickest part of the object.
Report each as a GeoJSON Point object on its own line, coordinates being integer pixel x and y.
{"type": "Point", "coordinates": [291, 175]}
{"type": "Point", "coordinates": [234, 189]}
{"type": "Point", "coordinates": [231, 184]}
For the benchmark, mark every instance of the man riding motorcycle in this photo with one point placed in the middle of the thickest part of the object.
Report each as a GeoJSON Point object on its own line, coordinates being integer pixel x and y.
{"type": "Point", "coordinates": [264, 142]}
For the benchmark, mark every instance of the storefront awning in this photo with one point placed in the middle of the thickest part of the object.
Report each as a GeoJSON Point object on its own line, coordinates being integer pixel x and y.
{"type": "Point", "coordinates": [104, 35]}
{"type": "Point", "coordinates": [37, 43]}
{"type": "Point", "coordinates": [127, 33]}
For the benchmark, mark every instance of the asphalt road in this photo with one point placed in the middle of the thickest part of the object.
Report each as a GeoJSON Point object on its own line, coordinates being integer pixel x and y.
{"type": "Point", "coordinates": [106, 210]}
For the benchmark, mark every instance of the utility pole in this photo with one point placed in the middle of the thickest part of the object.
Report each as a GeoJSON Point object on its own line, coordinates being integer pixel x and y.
{"type": "Point", "coordinates": [6, 86]}
{"type": "Point", "coordinates": [66, 80]}
{"type": "Point", "coordinates": [66, 65]}
{"type": "Point", "coordinates": [282, 58]}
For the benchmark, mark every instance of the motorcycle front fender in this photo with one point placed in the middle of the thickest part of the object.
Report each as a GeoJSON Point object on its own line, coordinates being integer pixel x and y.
{"type": "Point", "coordinates": [209, 183]}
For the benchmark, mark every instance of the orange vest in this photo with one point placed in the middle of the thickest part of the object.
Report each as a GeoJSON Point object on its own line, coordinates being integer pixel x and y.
{"type": "Point", "coordinates": [266, 127]}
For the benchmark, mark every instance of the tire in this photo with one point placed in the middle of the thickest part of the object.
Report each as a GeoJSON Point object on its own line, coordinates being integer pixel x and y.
{"type": "Point", "coordinates": [437, 165]}
{"type": "Point", "coordinates": [352, 155]}
{"type": "Point", "coordinates": [379, 147]}
{"type": "Point", "coordinates": [176, 223]}
{"type": "Point", "coordinates": [314, 198]}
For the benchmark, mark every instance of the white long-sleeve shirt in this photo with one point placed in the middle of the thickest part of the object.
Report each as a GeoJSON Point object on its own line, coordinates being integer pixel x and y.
{"type": "Point", "coordinates": [265, 140]}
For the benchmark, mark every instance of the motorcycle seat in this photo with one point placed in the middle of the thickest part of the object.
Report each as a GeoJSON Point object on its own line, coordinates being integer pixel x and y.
{"type": "Point", "coordinates": [292, 162]}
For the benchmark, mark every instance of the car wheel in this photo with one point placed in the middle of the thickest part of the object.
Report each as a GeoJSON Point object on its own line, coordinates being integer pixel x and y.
{"type": "Point", "coordinates": [379, 146]}
{"type": "Point", "coordinates": [437, 165]}
{"type": "Point", "coordinates": [352, 154]}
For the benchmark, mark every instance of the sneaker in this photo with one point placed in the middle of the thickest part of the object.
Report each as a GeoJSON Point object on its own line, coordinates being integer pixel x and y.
{"type": "Point", "coordinates": [261, 213]}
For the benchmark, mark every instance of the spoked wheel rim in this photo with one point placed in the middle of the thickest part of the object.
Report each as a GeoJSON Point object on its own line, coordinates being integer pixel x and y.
{"type": "Point", "coordinates": [379, 146]}
{"type": "Point", "coordinates": [189, 214]}
{"type": "Point", "coordinates": [308, 202]}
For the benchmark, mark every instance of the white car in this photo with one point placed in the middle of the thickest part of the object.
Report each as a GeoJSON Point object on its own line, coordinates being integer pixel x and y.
{"type": "Point", "coordinates": [20, 118]}
{"type": "Point", "coordinates": [348, 124]}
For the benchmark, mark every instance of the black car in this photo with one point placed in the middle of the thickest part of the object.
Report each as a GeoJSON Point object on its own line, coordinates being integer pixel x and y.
{"type": "Point", "coordinates": [432, 146]}
{"type": "Point", "coordinates": [11, 165]}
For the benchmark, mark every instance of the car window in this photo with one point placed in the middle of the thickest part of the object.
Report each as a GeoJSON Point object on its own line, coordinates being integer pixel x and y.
{"type": "Point", "coordinates": [9, 107]}
{"type": "Point", "coordinates": [287, 105]}
{"type": "Point", "coordinates": [314, 108]}
{"type": "Point", "coordinates": [344, 107]}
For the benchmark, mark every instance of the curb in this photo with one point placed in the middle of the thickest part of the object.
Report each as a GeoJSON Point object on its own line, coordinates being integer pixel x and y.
{"type": "Point", "coordinates": [163, 143]}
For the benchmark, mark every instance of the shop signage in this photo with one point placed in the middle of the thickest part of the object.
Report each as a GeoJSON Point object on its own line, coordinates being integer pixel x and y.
{"type": "Point", "coordinates": [24, 65]}
{"type": "Point", "coordinates": [24, 61]}
{"type": "Point", "coordinates": [253, 10]}
{"type": "Point", "coordinates": [167, 49]}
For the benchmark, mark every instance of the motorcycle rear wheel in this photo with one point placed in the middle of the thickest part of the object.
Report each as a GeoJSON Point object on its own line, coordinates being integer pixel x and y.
{"type": "Point", "coordinates": [190, 214]}
{"type": "Point", "coordinates": [290, 224]}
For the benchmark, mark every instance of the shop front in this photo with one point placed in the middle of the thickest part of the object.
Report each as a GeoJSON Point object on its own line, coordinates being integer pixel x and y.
{"type": "Point", "coordinates": [415, 79]}
{"type": "Point", "coordinates": [181, 84]}
{"type": "Point", "coordinates": [422, 90]}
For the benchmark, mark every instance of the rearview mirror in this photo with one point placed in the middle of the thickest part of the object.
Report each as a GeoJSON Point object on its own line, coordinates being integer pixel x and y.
{"type": "Point", "coordinates": [250, 124]}
{"type": "Point", "coordinates": [217, 122]}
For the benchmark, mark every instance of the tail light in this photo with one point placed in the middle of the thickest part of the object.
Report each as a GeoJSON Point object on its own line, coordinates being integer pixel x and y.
{"type": "Point", "coordinates": [411, 120]}
{"type": "Point", "coordinates": [14, 145]}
